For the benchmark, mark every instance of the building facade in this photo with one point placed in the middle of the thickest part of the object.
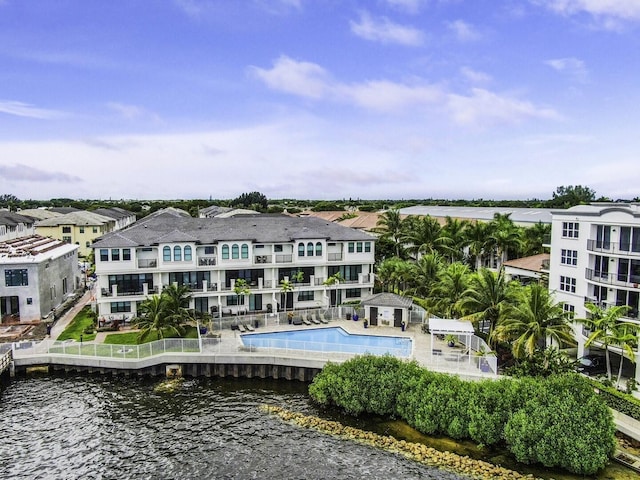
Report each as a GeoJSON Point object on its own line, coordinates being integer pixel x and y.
{"type": "Point", "coordinates": [210, 254]}
{"type": "Point", "coordinates": [595, 258]}
{"type": "Point", "coordinates": [13, 225]}
{"type": "Point", "coordinates": [39, 274]}
{"type": "Point", "coordinates": [80, 228]}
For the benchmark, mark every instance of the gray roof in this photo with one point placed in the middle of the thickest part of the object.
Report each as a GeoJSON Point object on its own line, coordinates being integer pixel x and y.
{"type": "Point", "coordinates": [600, 208]}
{"type": "Point", "coordinates": [80, 217]}
{"type": "Point", "coordinates": [214, 210]}
{"type": "Point", "coordinates": [114, 212]}
{"type": "Point", "coordinates": [39, 213]}
{"type": "Point", "coordinates": [385, 299]}
{"type": "Point", "coordinates": [167, 228]}
{"type": "Point", "coordinates": [13, 219]}
{"type": "Point", "coordinates": [518, 215]}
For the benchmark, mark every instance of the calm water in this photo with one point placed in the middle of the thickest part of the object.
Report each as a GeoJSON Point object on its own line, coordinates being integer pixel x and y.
{"type": "Point", "coordinates": [332, 339]}
{"type": "Point", "coordinates": [116, 428]}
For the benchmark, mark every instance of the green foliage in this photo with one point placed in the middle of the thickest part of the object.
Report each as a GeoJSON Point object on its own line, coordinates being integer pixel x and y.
{"type": "Point", "coordinates": [617, 400]}
{"type": "Point", "coordinates": [78, 326]}
{"type": "Point", "coordinates": [326, 207]}
{"type": "Point", "coordinates": [542, 364]}
{"type": "Point", "coordinates": [251, 200]}
{"type": "Point", "coordinates": [569, 196]}
{"type": "Point", "coordinates": [557, 421]}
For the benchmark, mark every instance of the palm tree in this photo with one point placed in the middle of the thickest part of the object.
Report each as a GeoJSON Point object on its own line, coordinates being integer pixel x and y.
{"type": "Point", "coordinates": [453, 281]}
{"type": "Point", "coordinates": [424, 235]}
{"type": "Point", "coordinates": [626, 337]}
{"type": "Point", "coordinates": [177, 298]}
{"type": "Point", "coordinates": [153, 315]}
{"type": "Point", "coordinates": [603, 325]}
{"type": "Point", "coordinates": [454, 230]}
{"type": "Point", "coordinates": [487, 297]}
{"type": "Point", "coordinates": [505, 236]}
{"type": "Point", "coordinates": [477, 234]}
{"type": "Point", "coordinates": [534, 238]}
{"type": "Point", "coordinates": [390, 227]}
{"type": "Point", "coordinates": [241, 288]}
{"type": "Point", "coordinates": [286, 286]}
{"type": "Point", "coordinates": [426, 272]}
{"type": "Point", "coordinates": [532, 321]}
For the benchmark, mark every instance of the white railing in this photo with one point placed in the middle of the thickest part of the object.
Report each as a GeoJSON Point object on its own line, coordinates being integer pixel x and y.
{"type": "Point", "coordinates": [403, 348]}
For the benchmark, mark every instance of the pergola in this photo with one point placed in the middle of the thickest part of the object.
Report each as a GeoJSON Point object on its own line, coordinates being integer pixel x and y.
{"type": "Point", "coordinates": [446, 326]}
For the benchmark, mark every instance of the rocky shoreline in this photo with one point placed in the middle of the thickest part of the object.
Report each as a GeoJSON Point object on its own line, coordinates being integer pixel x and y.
{"type": "Point", "coordinates": [462, 465]}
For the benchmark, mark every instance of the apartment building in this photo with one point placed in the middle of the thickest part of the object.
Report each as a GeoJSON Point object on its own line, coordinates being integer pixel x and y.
{"type": "Point", "coordinates": [14, 225]}
{"type": "Point", "coordinates": [78, 227]}
{"type": "Point", "coordinates": [210, 254]}
{"type": "Point", "coordinates": [595, 258]}
{"type": "Point", "coordinates": [39, 274]}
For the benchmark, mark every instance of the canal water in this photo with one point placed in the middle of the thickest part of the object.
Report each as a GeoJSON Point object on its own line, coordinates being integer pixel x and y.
{"type": "Point", "coordinates": [90, 427]}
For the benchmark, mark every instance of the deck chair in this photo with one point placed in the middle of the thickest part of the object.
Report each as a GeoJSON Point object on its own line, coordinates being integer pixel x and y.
{"type": "Point", "coordinates": [312, 319]}
{"type": "Point", "coordinates": [249, 327]}
{"type": "Point", "coordinates": [241, 328]}
{"type": "Point", "coordinates": [320, 317]}
{"type": "Point", "coordinates": [305, 321]}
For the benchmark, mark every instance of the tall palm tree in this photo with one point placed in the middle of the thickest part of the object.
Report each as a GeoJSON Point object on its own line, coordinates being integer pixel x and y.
{"type": "Point", "coordinates": [390, 226]}
{"type": "Point", "coordinates": [454, 230]}
{"type": "Point", "coordinates": [487, 297]}
{"type": "Point", "coordinates": [532, 321]}
{"type": "Point", "coordinates": [426, 272]}
{"type": "Point", "coordinates": [424, 235]}
{"type": "Point", "coordinates": [478, 234]}
{"type": "Point", "coordinates": [241, 289]}
{"type": "Point", "coordinates": [534, 237]}
{"type": "Point", "coordinates": [453, 281]}
{"type": "Point", "coordinates": [603, 324]}
{"type": "Point", "coordinates": [154, 316]}
{"type": "Point", "coordinates": [178, 298]}
{"type": "Point", "coordinates": [286, 286]}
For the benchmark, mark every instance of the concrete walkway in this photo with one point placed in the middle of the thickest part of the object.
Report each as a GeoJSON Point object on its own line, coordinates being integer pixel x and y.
{"type": "Point", "coordinates": [66, 319]}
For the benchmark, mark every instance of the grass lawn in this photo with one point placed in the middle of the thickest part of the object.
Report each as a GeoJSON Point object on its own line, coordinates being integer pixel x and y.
{"type": "Point", "coordinates": [76, 328]}
{"type": "Point", "coordinates": [131, 338]}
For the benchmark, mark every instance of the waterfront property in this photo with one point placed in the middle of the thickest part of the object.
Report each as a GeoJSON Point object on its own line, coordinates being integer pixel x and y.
{"type": "Point", "coordinates": [240, 264]}
{"type": "Point", "coordinates": [595, 258]}
{"type": "Point", "coordinates": [39, 274]}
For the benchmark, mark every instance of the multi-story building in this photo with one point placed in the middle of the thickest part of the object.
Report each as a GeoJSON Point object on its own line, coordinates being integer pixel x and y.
{"type": "Point", "coordinates": [122, 217]}
{"type": "Point", "coordinates": [210, 254]}
{"type": "Point", "coordinates": [39, 274]}
{"type": "Point", "coordinates": [595, 258]}
{"type": "Point", "coordinates": [79, 227]}
{"type": "Point", "coordinates": [14, 225]}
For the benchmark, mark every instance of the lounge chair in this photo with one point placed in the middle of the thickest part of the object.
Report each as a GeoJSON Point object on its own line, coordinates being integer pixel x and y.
{"type": "Point", "coordinates": [241, 328]}
{"type": "Point", "coordinates": [320, 317]}
{"type": "Point", "coordinates": [312, 319]}
{"type": "Point", "coordinates": [249, 327]}
{"type": "Point", "coordinates": [326, 318]}
{"type": "Point", "coordinates": [305, 321]}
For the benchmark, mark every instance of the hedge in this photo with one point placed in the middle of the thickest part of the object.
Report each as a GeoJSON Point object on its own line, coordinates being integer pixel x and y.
{"type": "Point", "coordinates": [617, 400]}
{"type": "Point", "coordinates": [557, 421]}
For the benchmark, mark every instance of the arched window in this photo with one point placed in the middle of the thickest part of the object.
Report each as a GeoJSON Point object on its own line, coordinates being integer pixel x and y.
{"type": "Point", "coordinates": [225, 252]}
{"type": "Point", "coordinates": [318, 249]}
{"type": "Point", "coordinates": [244, 252]}
{"type": "Point", "coordinates": [235, 251]}
{"type": "Point", "coordinates": [301, 249]}
{"type": "Point", "coordinates": [309, 249]}
{"type": "Point", "coordinates": [177, 254]}
{"type": "Point", "coordinates": [187, 253]}
{"type": "Point", "coordinates": [166, 254]}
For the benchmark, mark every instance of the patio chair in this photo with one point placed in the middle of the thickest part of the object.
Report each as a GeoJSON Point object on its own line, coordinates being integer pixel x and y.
{"type": "Point", "coordinates": [312, 319]}
{"type": "Point", "coordinates": [305, 321]}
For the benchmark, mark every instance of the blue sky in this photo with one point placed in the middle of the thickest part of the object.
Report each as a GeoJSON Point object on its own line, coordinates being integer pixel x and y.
{"type": "Point", "coordinates": [320, 99]}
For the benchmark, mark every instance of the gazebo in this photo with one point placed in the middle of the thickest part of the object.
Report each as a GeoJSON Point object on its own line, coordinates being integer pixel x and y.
{"type": "Point", "coordinates": [446, 326]}
{"type": "Point", "coordinates": [387, 309]}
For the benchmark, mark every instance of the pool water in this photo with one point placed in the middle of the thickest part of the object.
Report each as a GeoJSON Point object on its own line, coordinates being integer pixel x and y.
{"type": "Point", "coordinates": [330, 339]}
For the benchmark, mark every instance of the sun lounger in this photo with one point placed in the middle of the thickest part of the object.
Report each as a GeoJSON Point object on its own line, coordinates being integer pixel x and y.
{"type": "Point", "coordinates": [241, 328]}
{"type": "Point", "coordinates": [312, 319]}
{"type": "Point", "coordinates": [325, 318]}
{"type": "Point", "coordinates": [249, 327]}
{"type": "Point", "coordinates": [305, 321]}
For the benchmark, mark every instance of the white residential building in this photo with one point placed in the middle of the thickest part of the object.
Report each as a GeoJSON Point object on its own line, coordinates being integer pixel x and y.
{"type": "Point", "coordinates": [210, 254]}
{"type": "Point", "coordinates": [595, 258]}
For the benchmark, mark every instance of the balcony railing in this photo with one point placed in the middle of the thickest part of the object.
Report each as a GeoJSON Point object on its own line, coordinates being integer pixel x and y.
{"type": "Point", "coordinates": [263, 259]}
{"type": "Point", "coordinates": [206, 261]}
{"type": "Point", "coordinates": [147, 263]}
{"type": "Point", "coordinates": [284, 258]}
{"type": "Point", "coordinates": [601, 246]}
{"type": "Point", "coordinates": [334, 257]}
{"type": "Point", "coordinates": [612, 279]}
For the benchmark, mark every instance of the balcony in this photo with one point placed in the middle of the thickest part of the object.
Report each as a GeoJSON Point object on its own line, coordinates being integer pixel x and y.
{"type": "Point", "coordinates": [628, 281]}
{"type": "Point", "coordinates": [626, 249]}
{"type": "Point", "coordinates": [284, 258]}
{"type": "Point", "coordinates": [263, 259]}
{"type": "Point", "coordinates": [206, 261]}
{"type": "Point", "coordinates": [334, 257]}
{"type": "Point", "coordinates": [147, 263]}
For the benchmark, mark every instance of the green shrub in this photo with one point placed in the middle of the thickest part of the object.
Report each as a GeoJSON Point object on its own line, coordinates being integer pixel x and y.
{"type": "Point", "coordinates": [557, 421]}
{"type": "Point", "coordinates": [617, 400]}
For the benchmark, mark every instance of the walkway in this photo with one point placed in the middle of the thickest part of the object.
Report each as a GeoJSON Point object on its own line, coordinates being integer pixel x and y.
{"type": "Point", "coordinates": [62, 322]}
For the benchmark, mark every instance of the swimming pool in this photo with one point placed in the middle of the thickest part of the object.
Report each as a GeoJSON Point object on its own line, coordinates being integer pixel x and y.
{"type": "Point", "coordinates": [330, 339]}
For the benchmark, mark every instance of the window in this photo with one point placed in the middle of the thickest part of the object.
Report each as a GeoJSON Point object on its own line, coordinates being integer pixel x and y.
{"type": "Point", "coordinates": [352, 293]}
{"type": "Point", "coordinates": [570, 229]}
{"type": "Point", "coordinates": [569, 257]}
{"type": "Point", "coordinates": [306, 296]}
{"type": "Point", "coordinates": [66, 239]}
{"type": "Point", "coordinates": [104, 255]}
{"type": "Point", "coordinates": [120, 307]}
{"type": "Point", "coordinates": [187, 253]}
{"type": "Point", "coordinates": [16, 277]}
{"type": "Point", "coordinates": [87, 244]}
{"type": "Point", "coordinates": [166, 254]}
{"type": "Point", "coordinates": [318, 249]}
{"type": "Point", "coordinates": [367, 247]}
{"type": "Point", "coordinates": [603, 236]}
{"type": "Point", "coordinates": [244, 252]}
{"type": "Point", "coordinates": [177, 254]}
{"type": "Point", "coordinates": [65, 287]}
{"type": "Point", "coordinates": [66, 229]}
{"type": "Point", "coordinates": [233, 300]}
{"type": "Point", "coordinates": [351, 247]}
{"type": "Point", "coordinates": [277, 248]}
{"type": "Point", "coordinates": [301, 249]}
{"type": "Point", "coordinates": [81, 229]}
{"type": "Point", "coordinates": [601, 266]}
{"type": "Point", "coordinates": [235, 251]}
{"type": "Point", "coordinates": [95, 229]}
{"type": "Point", "coordinates": [201, 304]}
{"type": "Point", "coordinates": [567, 284]}
{"type": "Point", "coordinates": [225, 252]}
{"type": "Point", "coordinates": [126, 254]}
{"type": "Point", "coordinates": [115, 254]}
{"type": "Point", "coordinates": [309, 249]}
{"type": "Point", "coordinates": [570, 309]}
{"type": "Point", "coordinates": [209, 250]}
{"type": "Point", "coordinates": [359, 247]}
{"type": "Point", "coordinates": [630, 239]}
{"type": "Point", "coordinates": [29, 301]}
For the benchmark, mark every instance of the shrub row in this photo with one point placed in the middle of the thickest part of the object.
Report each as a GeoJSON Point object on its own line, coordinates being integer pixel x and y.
{"type": "Point", "coordinates": [558, 421]}
{"type": "Point", "coordinates": [617, 400]}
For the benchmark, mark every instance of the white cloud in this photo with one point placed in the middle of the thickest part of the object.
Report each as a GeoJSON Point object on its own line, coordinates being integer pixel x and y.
{"type": "Point", "coordinates": [610, 13]}
{"type": "Point", "coordinates": [463, 31]}
{"type": "Point", "coordinates": [483, 107]}
{"type": "Point", "coordinates": [305, 79]}
{"type": "Point", "coordinates": [384, 30]}
{"type": "Point", "coordinates": [20, 109]}
{"type": "Point", "coordinates": [132, 112]}
{"type": "Point", "coordinates": [474, 76]}
{"type": "Point", "coordinates": [570, 66]}
{"type": "Point", "coordinates": [409, 6]}
{"type": "Point", "coordinates": [310, 80]}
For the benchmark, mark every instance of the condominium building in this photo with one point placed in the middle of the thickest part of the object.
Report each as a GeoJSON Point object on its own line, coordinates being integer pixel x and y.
{"type": "Point", "coordinates": [39, 274]}
{"type": "Point", "coordinates": [14, 225]}
{"type": "Point", "coordinates": [595, 258]}
{"type": "Point", "coordinates": [79, 227]}
{"type": "Point", "coordinates": [210, 254]}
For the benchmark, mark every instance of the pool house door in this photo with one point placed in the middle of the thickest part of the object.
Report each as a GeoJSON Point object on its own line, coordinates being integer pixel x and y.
{"type": "Point", "coordinates": [373, 311]}
{"type": "Point", "coordinates": [397, 317]}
